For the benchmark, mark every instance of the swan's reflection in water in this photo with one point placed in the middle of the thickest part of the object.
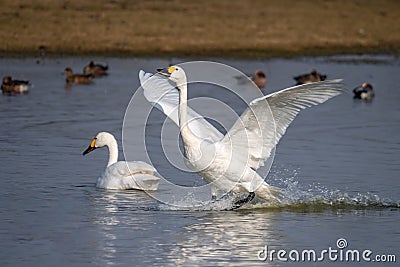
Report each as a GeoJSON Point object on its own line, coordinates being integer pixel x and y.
{"type": "Point", "coordinates": [131, 227]}
{"type": "Point", "coordinates": [106, 221]}
{"type": "Point", "coordinates": [118, 220]}
{"type": "Point", "coordinates": [128, 222]}
{"type": "Point", "coordinates": [225, 238]}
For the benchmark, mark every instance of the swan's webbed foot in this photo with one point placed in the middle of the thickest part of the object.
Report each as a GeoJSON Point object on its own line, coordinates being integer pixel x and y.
{"type": "Point", "coordinates": [241, 202]}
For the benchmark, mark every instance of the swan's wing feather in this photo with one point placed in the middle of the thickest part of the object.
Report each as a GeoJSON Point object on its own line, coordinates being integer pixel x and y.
{"type": "Point", "coordinates": [160, 93]}
{"type": "Point", "coordinates": [165, 97]}
{"type": "Point", "coordinates": [139, 175]}
{"type": "Point", "coordinates": [286, 104]}
{"type": "Point", "coordinates": [126, 168]}
{"type": "Point", "coordinates": [140, 166]}
{"type": "Point", "coordinates": [260, 128]}
{"type": "Point", "coordinates": [142, 181]}
{"type": "Point", "coordinates": [131, 175]}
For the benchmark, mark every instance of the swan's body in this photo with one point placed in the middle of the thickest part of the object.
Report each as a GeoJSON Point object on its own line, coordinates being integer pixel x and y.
{"type": "Point", "coordinates": [229, 162]}
{"type": "Point", "coordinates": [122, 174]}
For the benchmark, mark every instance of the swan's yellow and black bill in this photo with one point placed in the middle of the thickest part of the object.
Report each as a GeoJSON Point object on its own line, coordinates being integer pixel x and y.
{"type": "Point", "coordinates": [163, 72]}
{"type": "Point", "coordinates": [91, 147]}
{"type": "Point", "coordinates": [166, 71]}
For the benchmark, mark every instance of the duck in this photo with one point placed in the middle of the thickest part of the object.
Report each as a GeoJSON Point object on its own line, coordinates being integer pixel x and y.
{"type": "Point", "coordinates": [258, 78]}
{"type": "Point", "coordinates": [10, 86]}
{"type": "Point", "coordinates": [96, 69]}
{"type": "Point", "coordinates": [229, 162]}
{"type": "Point", "coordinates": [77, 78]}
{"type": "Point", "coordinates": [122, 175]}
{"type": "Point", "coordinates": [364, 92]}
{"type": "Point", "coordinates": [311, 77]}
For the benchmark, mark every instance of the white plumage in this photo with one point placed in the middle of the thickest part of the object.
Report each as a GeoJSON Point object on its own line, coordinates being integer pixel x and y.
{"type": "Point", "coordinates": [229, 162]}
{"type": "Point", "coordinates": [122, 174]}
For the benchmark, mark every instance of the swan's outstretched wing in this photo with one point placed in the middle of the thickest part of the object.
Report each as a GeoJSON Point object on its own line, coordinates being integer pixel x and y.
{"type": "Point", "coordinates": [260, 128]}
{"type": "Point", "coordinates": [160, 93]}
{"type": "Point", "coordinates": [164, 96]}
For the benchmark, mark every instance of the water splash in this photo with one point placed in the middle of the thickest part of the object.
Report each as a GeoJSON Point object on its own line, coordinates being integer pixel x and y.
{"type": "Point", "coordinates": [186, 203]}
{"type": "Point", "coordinates": [321, 199]}
{"type": "Point", "coordinates": [316, 197]}
{"type": "Point", "coordinates": [295, 197]}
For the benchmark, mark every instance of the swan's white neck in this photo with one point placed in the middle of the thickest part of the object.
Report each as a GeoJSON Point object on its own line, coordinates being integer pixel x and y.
{"type": "Point", "coordinates": [113, 151]}
{"type": "Point", "coordinates": [182, 106]}
{"type": "Point", "coordinates": [183, 123]}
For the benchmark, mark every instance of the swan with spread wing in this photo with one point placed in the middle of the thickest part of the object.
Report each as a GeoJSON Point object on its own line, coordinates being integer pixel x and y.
{"type": "Point", "coordinates": [229, 162]}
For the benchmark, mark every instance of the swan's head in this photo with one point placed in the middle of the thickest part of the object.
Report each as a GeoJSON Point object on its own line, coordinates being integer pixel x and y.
{"type": "Point", "coordinates": [175, 74]}
{"type": "Point", "coordinates": [101, 139]}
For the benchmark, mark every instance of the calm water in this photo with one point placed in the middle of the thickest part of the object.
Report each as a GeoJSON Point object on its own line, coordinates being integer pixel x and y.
{"type": "Point", "coordinates": [339, 162]}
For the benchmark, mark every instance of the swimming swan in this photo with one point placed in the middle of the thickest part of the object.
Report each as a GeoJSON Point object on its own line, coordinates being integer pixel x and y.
{"type": "Point", "coordinates": [122, 174]}
{"type": "Point", "coordinates": [229, 162]}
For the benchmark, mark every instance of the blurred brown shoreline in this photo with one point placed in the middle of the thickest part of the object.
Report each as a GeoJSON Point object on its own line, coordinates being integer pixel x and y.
{"type": "Point", "coordinates": [211, 28]}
